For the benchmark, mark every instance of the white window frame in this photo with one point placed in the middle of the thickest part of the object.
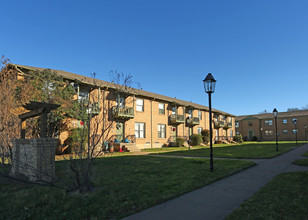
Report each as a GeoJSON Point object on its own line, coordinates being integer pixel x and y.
{"type": "Point", "coordinates": [161, 108]}
{"type": "Point", "coordinates": [174, 110]}
{"type": "Point", "coordinates": [121, 102]}
{"type": "Point", "coordinates": [285, 121]}
{"type": "Point", "coordinates": [285, 131]}
{"type": "Point", "coordinates": [268, 122]}
{"type": "Point", "coordinates": [140, 129]}
{"type": "Point", "coordinates": [140, 105]}
{"type": "Point", "coordinates": [190, 113]}
{"type": "Point", "coordinates": [200, 115]}
{"type": "Point", "coordinates": [199, 129]}
{"type": "Point", "coordinates": [268, 132]}
{"type": "Point", "coordinates": [161, 128]}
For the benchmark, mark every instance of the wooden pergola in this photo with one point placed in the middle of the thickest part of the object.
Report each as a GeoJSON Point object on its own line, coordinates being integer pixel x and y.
{"type": "Point", "coordinates": [36, 109]}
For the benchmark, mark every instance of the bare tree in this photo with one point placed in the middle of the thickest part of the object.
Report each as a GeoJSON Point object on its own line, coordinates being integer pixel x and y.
{"type": "Point", "coordinates": [8, 120]}
{"type": "Point", "coordinates": [96, 130]}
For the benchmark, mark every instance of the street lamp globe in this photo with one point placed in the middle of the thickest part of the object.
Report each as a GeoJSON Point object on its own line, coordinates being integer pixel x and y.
{"type": "Point", "coordinates": [209, 83]}
{"type": "Point", "coordinates": [275, 112]}
{"type": "Point", "coordinates": [295, 121]}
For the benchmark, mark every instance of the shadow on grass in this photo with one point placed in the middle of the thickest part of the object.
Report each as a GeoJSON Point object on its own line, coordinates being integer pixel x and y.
{"type": "Point", "coordinates": [125, 185]}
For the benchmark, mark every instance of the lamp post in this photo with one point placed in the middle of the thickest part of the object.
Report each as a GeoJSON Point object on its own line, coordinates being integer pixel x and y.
{"type": "Point", "coordinates": [295, 124]}
{"type": "Point", "coordinates": [306, 133]}
{"type": "Point", "coordinates": [209, 86]}
{"type": "Point", "coordinates": [275, 113]}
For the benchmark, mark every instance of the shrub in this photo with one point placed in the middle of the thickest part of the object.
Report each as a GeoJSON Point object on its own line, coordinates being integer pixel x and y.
{"type": "Point", "coordinates": [196, 139]}
{"type": "Point", "coordinates": [180, 141]}
{"type": "Point", "coordinates": [165, 145]}
{"type": "Point", "coordinates": [205, 135]}
{"type": "Point", "coordinates": [77, 137]}
{"type": "Point", "coordinates": [238, 138]}
{"type": "Point", "coordinates": [254, 138]}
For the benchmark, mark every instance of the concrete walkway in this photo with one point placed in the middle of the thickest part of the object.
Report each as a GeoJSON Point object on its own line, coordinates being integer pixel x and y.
{"type": "Point", "coordinates": [219, 199]}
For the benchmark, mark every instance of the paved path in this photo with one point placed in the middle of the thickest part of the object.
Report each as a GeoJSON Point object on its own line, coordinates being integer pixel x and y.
{"type": "Point", "coordinates": [219, 199]}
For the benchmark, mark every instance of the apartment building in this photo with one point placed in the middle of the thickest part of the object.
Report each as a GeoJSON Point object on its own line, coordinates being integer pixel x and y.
{"type": "Point", "coordinates": [262, 126]}
{"type": "Point", "coordinates": [146, 119]}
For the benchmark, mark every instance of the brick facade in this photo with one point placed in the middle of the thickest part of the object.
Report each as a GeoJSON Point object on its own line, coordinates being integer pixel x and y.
{"type": "Point", "coordinates": [262, 126]}
{"type": "Point", "coordinates": [106, 94]}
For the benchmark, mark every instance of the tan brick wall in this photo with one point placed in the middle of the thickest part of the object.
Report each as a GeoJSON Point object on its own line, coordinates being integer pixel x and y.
{"type": "Point", "coordinates": [151, 117]}
{"type": "Point", "coordinates": [289, 126]}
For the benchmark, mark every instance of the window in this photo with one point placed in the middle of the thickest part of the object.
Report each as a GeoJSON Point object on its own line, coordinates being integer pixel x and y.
{"type": "Point", "coordinates": [139, 130]}
{"type": "Point", "coordinates": [268, 133]}
{"type": "Point", "coordinates": [120, 101]}
{"type": "Point", "coordinates": [200, 115]}
{"type": "Point", "coordinates": [161, 108]}
{"type": "Point", "coordinates": [250, 123]}
{"type": "Point", "coordinates": [83, 95]}
{"type": "Point", "coordinates": [268, 122]}
{"type": "Point", "coordinates": [174, 110]}
{"type": "Point", "coordinates": [189, 113]}
{"type": "Point", "coordinates": [231, 133]}
{"type": "Point", "coordinates": [199, 130]}
{"type": "Point", "coordinates": [139, 105]}
{"type": "Point", "coordinates": [284, 131]}
{"type": "Point", "coordinates": [237, 124]}
{"type": "Point", "coordinates": [161, 131]}
{"type": "Point", "coordinates": [284, 121]}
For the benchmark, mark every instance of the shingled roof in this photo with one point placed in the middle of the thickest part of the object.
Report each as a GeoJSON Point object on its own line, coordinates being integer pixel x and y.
{"type": "Point", "coordinates": [105, 84]}
{"type": "Point", "coordinates": [270, 115]}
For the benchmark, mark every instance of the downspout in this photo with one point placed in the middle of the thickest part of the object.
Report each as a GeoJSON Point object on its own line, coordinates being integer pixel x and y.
{"type": "Point", "coordinates": [151, 123]}
{"type": "Point", "coordinates": [99, 95]}
{"type": "Point", "coordinates": [184, 121]}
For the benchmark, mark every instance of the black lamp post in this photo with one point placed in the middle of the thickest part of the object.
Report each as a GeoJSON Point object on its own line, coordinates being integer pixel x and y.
{"type": "Point", "coordinates": [306, 133]}
{"type": "Point", "coordinates": [275, 113]}
{"type": "Point", "coordinates": [209, 87]}
{"type": "Point", "coordinates": [295, 124]}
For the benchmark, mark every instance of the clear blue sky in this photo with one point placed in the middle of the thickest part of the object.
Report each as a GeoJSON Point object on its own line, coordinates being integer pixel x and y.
{"type": "Point", "coordinates": [256, 50]}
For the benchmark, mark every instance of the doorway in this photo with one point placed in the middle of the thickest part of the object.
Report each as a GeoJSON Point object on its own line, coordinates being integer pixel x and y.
{"type": "Point", "coordinates": [120, 131]}
{"type": "Point", "coordinates": [173, 134]}
{"type": "Point", "coordinates": [250, 135]}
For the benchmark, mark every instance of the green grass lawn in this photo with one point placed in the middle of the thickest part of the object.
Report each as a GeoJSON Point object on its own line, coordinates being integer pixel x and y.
{"type": "Point", "coordinates": [124, 185]}
{"type": "Point", "coordinates": [164, 149]}
{"type": "Point", "coordinates": [305, 154]}
{"type": "Point", "coordinates": [285, 197]}
{"type": "Point", "coordinates": [246, 150]}
{"type": "Point", "coordinates": [301, 162]}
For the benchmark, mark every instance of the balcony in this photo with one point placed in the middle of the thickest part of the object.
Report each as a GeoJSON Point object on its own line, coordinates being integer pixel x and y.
{"type": "Point", "coordinates": [219, 124]}
{"type": "Point", "coordinates": [193, 121]}
{"type": "Point", "coordinates": [228, 125]}
{"type": "Point", "coordinates": [123, 112]}
{"type": "Point", "coordinates": [94, 109]}
{"type": "Point", "coordinates": [176, 119]}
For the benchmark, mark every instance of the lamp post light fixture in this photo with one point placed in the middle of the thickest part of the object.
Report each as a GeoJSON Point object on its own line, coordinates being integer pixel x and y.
{"type": "Point", "coordinates": [295, 124]}
{"type": "Point", "coordinates": [275, 113]}
{"type": "Point", "coordinates": [209, 86]}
